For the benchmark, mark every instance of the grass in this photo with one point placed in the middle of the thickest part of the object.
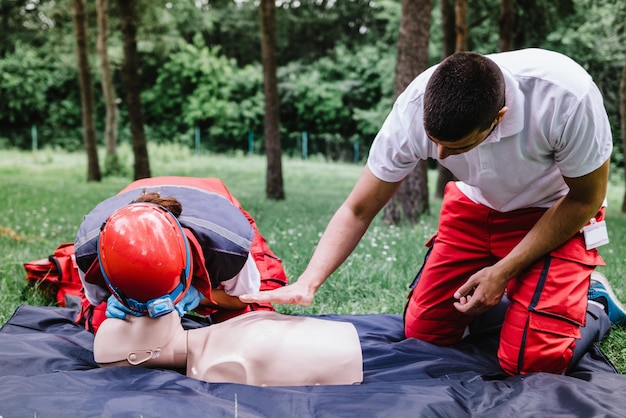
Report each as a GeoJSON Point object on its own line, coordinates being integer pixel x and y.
{"type": "Point", "coordinates": [45, 195]}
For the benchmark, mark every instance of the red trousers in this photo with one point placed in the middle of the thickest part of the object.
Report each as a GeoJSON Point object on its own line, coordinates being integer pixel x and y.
{"type": "Point", "coordinates": [548, 301]}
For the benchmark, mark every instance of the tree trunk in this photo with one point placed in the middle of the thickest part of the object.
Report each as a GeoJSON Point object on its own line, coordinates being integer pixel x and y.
{"type": "Point", "coordinates": [274, 181]}
{"type": "Point", "coordinates": [460, 17]}
{"type": "Point", "coordinates": [506, 21]}
{"type": "Point", "coordinates": [448, 28]}
{"type": "Point", "coordinates": [411, 199]}
{"type": "Point", "coordinates": [86, 91]}
{"type": "Point", "coordinates": [622, 108]}
{"type": "Point", "coordinates": [111, 162]}
{"type": "Point", "coordinates": [130, 74]}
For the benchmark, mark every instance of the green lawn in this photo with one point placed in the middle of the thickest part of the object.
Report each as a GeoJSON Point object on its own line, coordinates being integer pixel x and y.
{"type": "Point", "coordinates": [45, 197]}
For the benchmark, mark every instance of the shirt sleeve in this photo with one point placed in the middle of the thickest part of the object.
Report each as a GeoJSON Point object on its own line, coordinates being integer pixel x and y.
{"type": "Point", "coordinates": [95, 294]}
{"type": "Point", "coordinates": [248, 280]}
{"type": "Point", "coordinates": [402, 142]}
{"type": "Point", "coordinates": [586, 141]}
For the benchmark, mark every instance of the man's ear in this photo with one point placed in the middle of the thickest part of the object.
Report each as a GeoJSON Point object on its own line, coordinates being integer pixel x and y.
{"type": "Point", "coordinates": [501, 114]}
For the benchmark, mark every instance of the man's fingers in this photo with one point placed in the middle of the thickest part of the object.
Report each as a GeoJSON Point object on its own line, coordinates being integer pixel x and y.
{"type": "Point", "coordinates": [253, 298]}
{"type": "Point", "coordinates": [293, 294]}
{"type": "Point", "coordinates": [465, 307]}
{"type": "Point", "coordinates": [272, 296]}
{"type": "Point", "coordinates": [464, 290]}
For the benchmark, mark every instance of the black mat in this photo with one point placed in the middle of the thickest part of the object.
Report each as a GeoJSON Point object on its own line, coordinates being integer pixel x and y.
{"type": "Point", "coordinates": [47, 370]}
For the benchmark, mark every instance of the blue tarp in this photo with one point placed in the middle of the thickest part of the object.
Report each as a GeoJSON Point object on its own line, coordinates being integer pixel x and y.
{"type": "Point", "coordinates": [47, 370]}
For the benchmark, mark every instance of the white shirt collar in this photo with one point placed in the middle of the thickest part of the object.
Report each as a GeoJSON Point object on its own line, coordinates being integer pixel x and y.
{"type": "Point", "coordinates": [513, 120]}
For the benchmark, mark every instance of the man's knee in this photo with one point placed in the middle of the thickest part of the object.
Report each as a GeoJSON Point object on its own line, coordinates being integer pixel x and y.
{"type": "Point", "coordinates": [436, 325]}
{"type": "Point", "coordinates": [537, 343]}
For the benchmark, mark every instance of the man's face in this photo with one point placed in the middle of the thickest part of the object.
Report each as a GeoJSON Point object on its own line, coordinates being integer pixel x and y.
{"type": "Point", "coordinates": [467, 143]}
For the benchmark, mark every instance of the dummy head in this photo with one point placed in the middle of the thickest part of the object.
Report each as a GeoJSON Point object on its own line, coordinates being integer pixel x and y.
{"type": "Point", "coordinates": [141, 341]}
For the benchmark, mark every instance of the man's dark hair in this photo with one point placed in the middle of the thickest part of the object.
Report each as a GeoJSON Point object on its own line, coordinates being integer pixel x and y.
{"type": "Point", "coordinates": [464, 93]}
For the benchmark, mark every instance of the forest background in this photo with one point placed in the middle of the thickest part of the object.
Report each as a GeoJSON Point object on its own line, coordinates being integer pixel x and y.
{"type": "Point", "coordinates": [202, 80]}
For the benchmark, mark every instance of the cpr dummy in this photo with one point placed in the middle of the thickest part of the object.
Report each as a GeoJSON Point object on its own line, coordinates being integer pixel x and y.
{"type": "Point", "coordinates": [258, 348]}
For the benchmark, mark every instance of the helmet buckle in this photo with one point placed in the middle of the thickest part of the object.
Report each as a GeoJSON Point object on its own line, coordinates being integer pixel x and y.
{"type": "Point", "coordinates": [159, 307]}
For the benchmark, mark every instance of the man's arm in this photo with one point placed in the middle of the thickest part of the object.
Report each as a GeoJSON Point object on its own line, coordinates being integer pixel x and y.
{"type": "Point", "coordinates": [558, 224]}
{"type": "Point", "coordinates": [343, 233]}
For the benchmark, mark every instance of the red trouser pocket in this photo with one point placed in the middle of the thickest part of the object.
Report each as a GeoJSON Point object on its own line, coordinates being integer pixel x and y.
{"type": "Point", "coordinates": [534, 342]}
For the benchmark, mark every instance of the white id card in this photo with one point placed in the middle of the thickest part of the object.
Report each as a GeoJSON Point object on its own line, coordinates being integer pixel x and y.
{"type": "Point", "coordinates": [595, 234]}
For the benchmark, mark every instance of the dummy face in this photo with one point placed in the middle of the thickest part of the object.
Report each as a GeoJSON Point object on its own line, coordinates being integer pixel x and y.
{"type": "Point", "coordinates": [467, 143]}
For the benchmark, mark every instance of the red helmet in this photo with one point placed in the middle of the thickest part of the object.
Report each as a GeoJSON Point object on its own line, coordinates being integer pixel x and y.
{"type": "Point", "coordinates": [144, 255]}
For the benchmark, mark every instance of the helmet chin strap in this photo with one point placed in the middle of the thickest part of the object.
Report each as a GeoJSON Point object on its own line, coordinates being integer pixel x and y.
{"type": "Point", "coordinates": [158, 306]}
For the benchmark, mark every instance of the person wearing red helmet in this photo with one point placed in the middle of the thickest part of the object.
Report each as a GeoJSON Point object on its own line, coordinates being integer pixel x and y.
{"type": "Point", "coordinates": [172, 243]}
{"type": "Point", "coordinates": [145, 259]}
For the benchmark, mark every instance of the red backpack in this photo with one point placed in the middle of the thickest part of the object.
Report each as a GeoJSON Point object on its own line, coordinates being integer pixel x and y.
{"type": "Point", "coordinates": [57, 276]}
